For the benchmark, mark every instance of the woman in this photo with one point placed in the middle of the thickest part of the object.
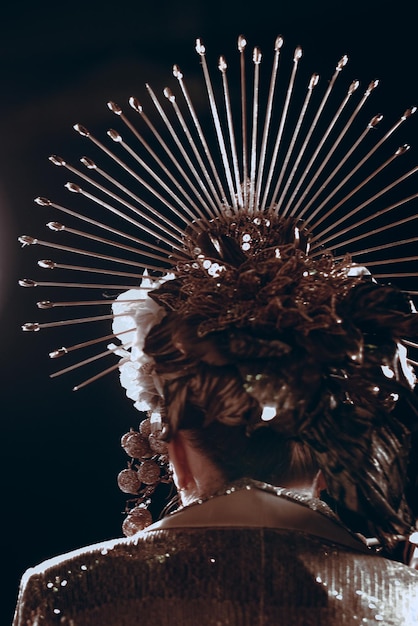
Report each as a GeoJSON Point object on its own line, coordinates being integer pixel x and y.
{"type": "Point", "coordinates": [239, 550]}
{"type": "Point", "coordinates": [278, 391]}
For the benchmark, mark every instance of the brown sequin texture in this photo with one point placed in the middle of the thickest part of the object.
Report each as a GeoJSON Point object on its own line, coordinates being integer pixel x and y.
{"type": "Point", "coordinates": [219, 577]}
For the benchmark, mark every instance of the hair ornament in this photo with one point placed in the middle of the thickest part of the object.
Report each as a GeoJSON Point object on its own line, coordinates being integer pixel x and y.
{"type": "Point", "coordinates": [268, 241]}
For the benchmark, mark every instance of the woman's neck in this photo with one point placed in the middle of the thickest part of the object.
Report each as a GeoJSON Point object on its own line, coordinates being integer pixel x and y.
{"type": "Point", "coordinates": [195, 476]}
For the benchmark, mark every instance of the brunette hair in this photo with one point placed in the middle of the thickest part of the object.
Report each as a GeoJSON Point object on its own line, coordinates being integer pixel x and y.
{"type": "Point", "coordinates": [222, 419]}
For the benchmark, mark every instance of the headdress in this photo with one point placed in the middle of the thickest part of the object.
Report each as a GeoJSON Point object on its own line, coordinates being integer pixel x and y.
{"type": "Point", "coordinates": [254, 241]}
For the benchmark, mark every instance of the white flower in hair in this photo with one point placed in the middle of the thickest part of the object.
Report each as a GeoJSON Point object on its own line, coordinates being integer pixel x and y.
{"type": "Point", "coordinates": [135, 313]}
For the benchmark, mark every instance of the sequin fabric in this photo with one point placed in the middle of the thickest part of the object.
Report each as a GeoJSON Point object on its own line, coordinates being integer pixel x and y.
{"type": "Point", "coordinates": [218, 577]}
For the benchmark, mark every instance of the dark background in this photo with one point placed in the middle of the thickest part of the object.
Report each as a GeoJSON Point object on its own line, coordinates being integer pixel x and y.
{"type": "Point", "coordinates": [59, 64]}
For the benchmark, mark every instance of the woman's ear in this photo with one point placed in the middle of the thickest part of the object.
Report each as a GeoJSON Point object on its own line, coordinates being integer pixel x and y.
{"type": "Point", "coordinates": [318, 484]}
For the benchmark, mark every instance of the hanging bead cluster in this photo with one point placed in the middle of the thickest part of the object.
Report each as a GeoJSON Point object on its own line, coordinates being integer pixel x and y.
{"type": "Point", "coordinates": [147, 468]}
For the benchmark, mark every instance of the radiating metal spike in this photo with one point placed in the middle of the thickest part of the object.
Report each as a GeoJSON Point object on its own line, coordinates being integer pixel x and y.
{"type": "Point", "coordinates": [142, 226]}
{"type": "Point", "coordinates": [46, 264]}
{"type": "Point", "coordinates": [253, 160]}
{"type": "Point", "coordinates": [213, 199]}
{"type": "Point", "coordinates": [47, 304]}
{"type": "Point", "coordinates": [115, 244]}
{"type": "Point", "coordinates": [242, 44]}
{"type": "Point", "coordinates": [384, 246]}
{"type": "Point", "coordinates": [85, 344]}
{"type": "Point", "coordinates": [169, 153]}
{"type": "Point", "coordinates": [263, 150]}
{"type": "Point", "coordinates": [317, 150]}
{"type": "Point", "coordinates": [87, 361]}
{"type": "Point", "coordinates": [80, 251]}
{"type": "Point", "coordinates": [359, 208]}
{"type": "Point", "coordinates": [35, 326]}
{"type": "Point", "coordinates": [179, 145]}
{"type": "Point", "coordinates": [57, 226]}
{"type": "Point", "coordinates": [42, 201]}
{"type": "Point", "coordinates": [200, 49]}
{"type": "Point", "coordinates": [310, 132]}
{"type": "Point", "coordinates": [366, 220]}
{"type": "Point", "coordinates": [56, 160]}
{"type": "Point", "coordinates": [27, 240]}
{"type": "Point", "coordinates": [296, 58]}
{"type": "Point", "coordinates": [115, 108]}
{"type": "Point", "coordinates": [312, 83]}
{"type": "Point", "coordinates": [27, 282]}
{"type": "Point", "coordinates": [411, 344]}
{"type": "Point", "coordinates": [89, 163]}
{"type": "Point", "coordinates": [58, 353]}
{"type": "Point", "coordinates": [82, 130]}
{"type": "Point", "coordinates": [98, 376]}
{"type": "Point", "coordinates": [147, 217]}
{"type": "Point", "coordinates": [145, 246]}
{"type": "Point", "coordinates": [31, 327]}
{"type": "Point", "coordinates": [387, 261]}
{"type": "Point", "coordinates": [351, 90]}
{"type": "Point", "coordinates": [371, 125]}
{"type": "Point", "coordinates": [232, 143]}
{"type": "Point", "coordinates": [201, 135]}
{"type": "Point", "coordinates": [359, 165]}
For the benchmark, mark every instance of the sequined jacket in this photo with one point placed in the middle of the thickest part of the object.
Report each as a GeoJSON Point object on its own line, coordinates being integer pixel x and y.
{"type": "Point", "coordinates": [200, 567]}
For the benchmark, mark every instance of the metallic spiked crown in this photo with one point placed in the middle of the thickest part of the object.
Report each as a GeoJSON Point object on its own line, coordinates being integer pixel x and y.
{"type": "Point", "coordinates": [275, 153]}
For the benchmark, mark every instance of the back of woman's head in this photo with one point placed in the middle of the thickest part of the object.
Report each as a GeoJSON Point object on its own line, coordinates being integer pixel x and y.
{"type": "Point", "coordinates": [223, 420]}
{"type": "Point", "coordinates": [277, 403]}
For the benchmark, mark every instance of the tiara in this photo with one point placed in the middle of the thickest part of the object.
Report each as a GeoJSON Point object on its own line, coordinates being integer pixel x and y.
{"type": "Point", "coordinates": [193, 204]}
{"type": "Point", "coordinates": [296, 157]}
